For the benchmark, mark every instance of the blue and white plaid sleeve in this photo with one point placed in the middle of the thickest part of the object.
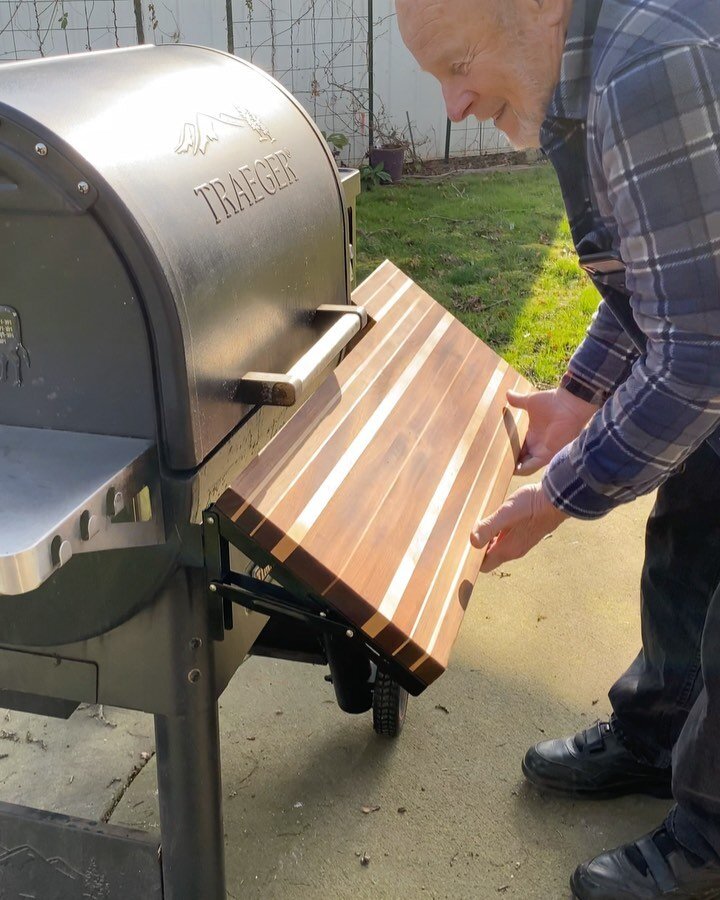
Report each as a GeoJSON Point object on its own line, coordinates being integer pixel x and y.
{"type": "Point", "coordinates": [659, 127]}
{"type": "Point", "coordinates": [603, 360]}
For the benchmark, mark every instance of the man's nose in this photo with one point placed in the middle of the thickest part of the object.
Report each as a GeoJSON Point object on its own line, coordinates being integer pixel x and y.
{"type": "Point", "coordinates": [458, 103]}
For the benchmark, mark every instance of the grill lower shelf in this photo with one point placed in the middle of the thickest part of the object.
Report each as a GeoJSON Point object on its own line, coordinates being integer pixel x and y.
{"type": "Point", "coordinates": [367, 496]}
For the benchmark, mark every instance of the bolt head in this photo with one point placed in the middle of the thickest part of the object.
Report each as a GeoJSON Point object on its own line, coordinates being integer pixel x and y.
{"type": "Point", "coordinates": [350, 633]}
{"type": "Point", "coordinates": [83, 187]}
{"type": "Point", "coordinates": [194, 675]}
{"type": "Point", "coordinates": [212, 588]}
{"type": "Point", "coordinates": [41, 149]}
{"type": "Point", "coordinates": [210, 520]}
{"type": "Point", "coordinates": [323, 615]}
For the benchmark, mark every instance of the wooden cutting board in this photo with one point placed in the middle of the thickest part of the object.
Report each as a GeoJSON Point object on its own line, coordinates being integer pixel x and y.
{"type": "Point", "coordinates": [367, 496]}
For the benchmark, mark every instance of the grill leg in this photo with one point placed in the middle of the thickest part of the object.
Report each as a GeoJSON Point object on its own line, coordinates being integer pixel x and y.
{"type": "Point", "coordinates": [188, 765]}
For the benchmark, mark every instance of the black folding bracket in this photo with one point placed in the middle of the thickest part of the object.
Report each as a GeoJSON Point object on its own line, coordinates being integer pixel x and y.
{"type": "Point", "coordinates": [289, 598]}
{"type": "Point", "coordinates": [273, 600]}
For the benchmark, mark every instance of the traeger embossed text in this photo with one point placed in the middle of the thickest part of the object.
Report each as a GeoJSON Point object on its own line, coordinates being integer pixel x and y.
{"type": "Point", "coordinates": [247, 186]}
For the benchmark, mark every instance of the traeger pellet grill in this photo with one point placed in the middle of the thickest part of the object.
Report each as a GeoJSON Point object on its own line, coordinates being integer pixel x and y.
{"type": "Point", "coordinates": [175, 285]}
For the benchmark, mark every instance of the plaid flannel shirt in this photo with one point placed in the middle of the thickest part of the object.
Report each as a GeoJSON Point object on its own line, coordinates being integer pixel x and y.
{"type": "Point", "coordinates": [640, 81]}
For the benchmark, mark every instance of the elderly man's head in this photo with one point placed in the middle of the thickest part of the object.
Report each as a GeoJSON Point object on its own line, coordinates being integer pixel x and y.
{"type": "Point", "coordinates": [495, 59]}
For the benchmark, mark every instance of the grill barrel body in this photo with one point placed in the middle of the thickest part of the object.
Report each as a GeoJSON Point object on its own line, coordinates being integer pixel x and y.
{"type": "Point", "coordinates": [170, 220]}
{"type": "Point", "coordinates": [164, 233]}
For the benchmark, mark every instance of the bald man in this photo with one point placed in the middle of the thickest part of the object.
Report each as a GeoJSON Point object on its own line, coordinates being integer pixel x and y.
{"type": "Point", "coordinates": [622, 96]}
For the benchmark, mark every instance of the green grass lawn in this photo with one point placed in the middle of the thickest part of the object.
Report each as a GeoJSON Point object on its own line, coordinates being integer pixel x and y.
{"type": "Point", "coordinates": [495, 249]}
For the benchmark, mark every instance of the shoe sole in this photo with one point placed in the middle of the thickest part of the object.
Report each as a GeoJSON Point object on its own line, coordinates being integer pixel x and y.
{"type": "Point", "coordinates": [709, 894]}
{"type": "Point", "coordinates": [661, 790]}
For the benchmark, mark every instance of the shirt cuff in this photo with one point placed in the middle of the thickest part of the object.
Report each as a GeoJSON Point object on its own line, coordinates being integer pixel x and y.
{"type": "Point", "coordinates": [588, 392]}
{"type": "Point", "coordinates": [570, 493]}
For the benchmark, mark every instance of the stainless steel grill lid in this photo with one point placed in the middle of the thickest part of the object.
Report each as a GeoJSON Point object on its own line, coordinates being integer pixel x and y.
{"type": "Point", "coordinates": [180, 217]}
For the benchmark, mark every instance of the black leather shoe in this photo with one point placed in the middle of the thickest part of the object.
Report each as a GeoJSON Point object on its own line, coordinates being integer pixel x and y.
{"type": "Point", "coordinates": [656, 866]}
{"type": "Point", "coordinates": [594, 763]}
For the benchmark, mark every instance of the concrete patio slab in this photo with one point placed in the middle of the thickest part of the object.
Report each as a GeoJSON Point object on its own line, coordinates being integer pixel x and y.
{"type": "Point", "coordinates": [312, 794]}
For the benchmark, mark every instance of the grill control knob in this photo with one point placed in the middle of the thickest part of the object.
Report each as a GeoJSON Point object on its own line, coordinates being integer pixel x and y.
{"type": "Point", "coordinates": [61, 551]}
{"type": "Point", "coordinates": [89, 525]}
{"type": "Point", "coordinates": [115, 503]}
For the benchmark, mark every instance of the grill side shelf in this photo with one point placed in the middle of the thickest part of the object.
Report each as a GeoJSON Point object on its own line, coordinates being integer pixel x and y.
{"type": "Point", "coordinates": [65, 493]}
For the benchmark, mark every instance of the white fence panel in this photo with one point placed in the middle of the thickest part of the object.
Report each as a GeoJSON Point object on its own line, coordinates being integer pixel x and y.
{"type": "Point", "coordinates": [317, 48]}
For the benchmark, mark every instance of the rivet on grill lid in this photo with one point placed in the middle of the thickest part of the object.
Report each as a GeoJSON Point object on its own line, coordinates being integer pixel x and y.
{"type": "Point", "coordinates": [350, 633]}
{"type": "Point", "coordinates": [41, 149]}
{"type": "Point", "coordinates": [194, 675]}
{"type": "Point", "coordinates": [83, 187]}
{"type": "Point", "coordinates": [60, 550]}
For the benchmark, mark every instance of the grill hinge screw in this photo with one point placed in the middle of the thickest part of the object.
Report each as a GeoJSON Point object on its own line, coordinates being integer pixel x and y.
{"type": "Point", "coordinates": [210, 520]}
{"type": "Point", "coordinates": [83, 187]}
{"type": "Point", "coordinates": [41, 149]}
{"type": "Point", "coordinates": [212, 588]}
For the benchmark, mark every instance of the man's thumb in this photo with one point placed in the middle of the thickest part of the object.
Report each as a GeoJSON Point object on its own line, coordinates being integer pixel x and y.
{"type": "Point", "coordinates": [486, 529]}
{"type": "Point", "coordinates": [519, 401]}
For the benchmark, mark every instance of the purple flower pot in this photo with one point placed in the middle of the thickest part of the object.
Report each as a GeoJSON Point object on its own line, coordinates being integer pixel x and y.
{"type": "Point", "coordinates": [393, 158]}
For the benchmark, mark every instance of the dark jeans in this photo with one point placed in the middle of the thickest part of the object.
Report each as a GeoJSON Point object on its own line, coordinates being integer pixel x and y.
{"type": "Point", "coordinates": [668, 702]}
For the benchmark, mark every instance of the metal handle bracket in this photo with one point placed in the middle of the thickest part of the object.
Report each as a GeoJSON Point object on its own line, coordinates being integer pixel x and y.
{"type": "Point", "coordinates": [278, 389]}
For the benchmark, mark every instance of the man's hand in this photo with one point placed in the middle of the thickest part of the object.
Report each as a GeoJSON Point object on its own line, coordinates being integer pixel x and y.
{"type": "Point", "coordinates": [519, 524]}
{"type": "Point", "coordinates": [556, 418]}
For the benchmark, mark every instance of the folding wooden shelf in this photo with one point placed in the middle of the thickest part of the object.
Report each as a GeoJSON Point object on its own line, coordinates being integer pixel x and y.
{"type": "Point", "coordinates": [367, 496]}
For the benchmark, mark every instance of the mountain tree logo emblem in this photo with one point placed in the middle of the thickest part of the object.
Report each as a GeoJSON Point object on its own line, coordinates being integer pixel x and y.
{"type": "Point", "coordinates": [26, 873]}
{"type": "Point", "coordinates": [12, 352]}
{"type": "Point", "coordinates": [196, 136]}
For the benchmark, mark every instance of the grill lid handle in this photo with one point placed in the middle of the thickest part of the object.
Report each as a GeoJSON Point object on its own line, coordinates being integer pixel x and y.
{"type": "Point", "coordinates": [274, 389]}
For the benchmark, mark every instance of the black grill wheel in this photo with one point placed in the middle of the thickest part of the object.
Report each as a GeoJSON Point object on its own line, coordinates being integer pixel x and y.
{"type": "Point", "coordinates": [389, 706]}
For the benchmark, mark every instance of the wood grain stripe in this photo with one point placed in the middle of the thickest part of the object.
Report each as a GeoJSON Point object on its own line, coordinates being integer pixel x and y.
{"type": "Point", "coordinates": [288, 495]}
{"type": "Point", "coordinates": [309, 422]}
{"type": "Point", "coordinates": [397, 475]}
{"type": "Point", "coordinates": [319, 501]}
{"type": "Point", "coordinates": [452, 592]}
{"type": "Point", "coordinates": [391, 600]}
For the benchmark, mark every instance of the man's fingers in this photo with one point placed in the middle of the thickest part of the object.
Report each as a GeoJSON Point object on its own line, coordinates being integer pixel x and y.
{"type": "Point", "coordinates": [528, 465]}
{"type": "Point", "coordinates": [487, 529]}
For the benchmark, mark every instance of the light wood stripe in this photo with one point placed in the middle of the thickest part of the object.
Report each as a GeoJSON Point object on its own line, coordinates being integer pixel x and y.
{"type": "Point", "coordinates": [368, 494]}
{"type": "Point", "coordinates": [445, 561]}
{"type": "Point", "coordinates": [335, 478]}
{"type": "Point", "coordinates": [425, 423]}
{"type": "Point", "coordinates": [391, 600]}
{"type": "Point", "coordinates": [385, 374]}
{"type": "Point", "coordinates": [458, 549]}
{"type": "Point", "coordinates": [310, 423]}
{"type": "Point", "coordinates": [452, 593]}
